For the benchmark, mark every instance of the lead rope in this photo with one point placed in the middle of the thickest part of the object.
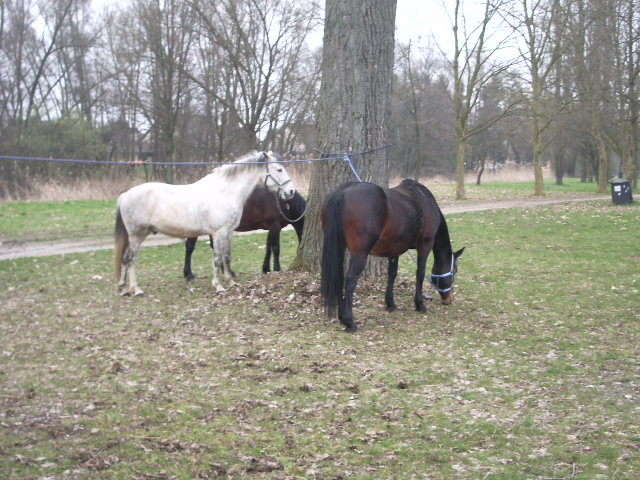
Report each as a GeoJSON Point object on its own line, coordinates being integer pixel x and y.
{"type": "Point", "coordinates": [276, 196]}
{"type": "Point", "coordinates": [287, 218]}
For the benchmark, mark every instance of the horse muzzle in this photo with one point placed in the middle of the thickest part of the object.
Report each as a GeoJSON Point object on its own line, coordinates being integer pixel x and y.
{"type": "Point", "coordinates": [447, 299]}
{"type": "Point", "coordinates": [287, 193]}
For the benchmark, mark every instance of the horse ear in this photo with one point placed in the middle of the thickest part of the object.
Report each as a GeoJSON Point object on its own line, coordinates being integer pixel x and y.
{"type": "Point", "coordinates": [264, 157]}
{"type": "Point", "coordinates": [459, 252]}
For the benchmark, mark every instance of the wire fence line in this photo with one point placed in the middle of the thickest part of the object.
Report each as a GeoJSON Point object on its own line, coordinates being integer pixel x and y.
{"type": "Point", "coordinates": [24, 177]}
{"type": "Point", "coordinates": [327, 157]}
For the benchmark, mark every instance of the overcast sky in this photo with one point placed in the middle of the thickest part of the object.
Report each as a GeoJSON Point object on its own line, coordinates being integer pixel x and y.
{"type": "Point", "coordinates": [420, 21]}
{"type": "Point", "coordinates": [423, 22]}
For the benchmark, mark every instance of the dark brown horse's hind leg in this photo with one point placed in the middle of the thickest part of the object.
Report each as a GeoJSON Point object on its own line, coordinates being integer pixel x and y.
{"type": "Point", "coordinates": [272, 247]}
{"type": "Point", "coordinates": [392, 272]}
{"type": "Point", "coordinates": [356, 266]}
{"type": "Point", "coordinates": [275, 249]}
{"type": "Point", "coordinates": [189, 245]}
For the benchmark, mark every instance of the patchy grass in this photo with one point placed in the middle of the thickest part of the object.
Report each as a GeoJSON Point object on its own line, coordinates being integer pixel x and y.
{"type": "Point", "coordinates": [532, 373]}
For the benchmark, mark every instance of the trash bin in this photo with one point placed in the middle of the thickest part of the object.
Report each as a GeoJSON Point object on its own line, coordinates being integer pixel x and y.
{"type": "Point", "coordinates": [621, 191]}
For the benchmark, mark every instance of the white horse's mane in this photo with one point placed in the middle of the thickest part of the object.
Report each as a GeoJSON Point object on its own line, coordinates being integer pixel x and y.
{"type": "Point", "coordinates": [251, 161]}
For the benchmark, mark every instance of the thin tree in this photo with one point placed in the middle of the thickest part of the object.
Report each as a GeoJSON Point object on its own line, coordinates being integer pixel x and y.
{"type": "Point", "coordinates": [541, 26]}
{"type": "Point", "coordinates": [473, 66]}
{"type": "Point", "coordinates": [413, 109]}
{"type": "Point", "coordinates": [168, 44]}
{"type": "Point", "coordinates": [627, 50]}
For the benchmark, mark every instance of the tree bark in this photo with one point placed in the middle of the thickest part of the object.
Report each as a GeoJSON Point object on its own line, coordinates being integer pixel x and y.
{"type": "Point", "coordinates": [354, 107]}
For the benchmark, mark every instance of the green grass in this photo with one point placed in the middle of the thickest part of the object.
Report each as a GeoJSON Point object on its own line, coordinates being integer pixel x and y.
{"type": "Point", "coordinates": [55, 220]}
{"type": "Point", "coordinates": [506, 190]}
{"type": "Point", "coordinates": [86, 218]}
{"type": "Point", "coordinates": [569, 185]}
{"type": "Point", "coordinates": [532, 372]}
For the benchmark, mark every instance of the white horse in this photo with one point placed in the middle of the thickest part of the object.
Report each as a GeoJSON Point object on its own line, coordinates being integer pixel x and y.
{"type": "Point", "coordinates": [211, 206]}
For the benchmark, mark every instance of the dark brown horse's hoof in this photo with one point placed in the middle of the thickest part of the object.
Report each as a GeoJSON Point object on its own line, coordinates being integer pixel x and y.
{"type": "Point", "coordinates": [351, 329]}
{"type": "Point", "coordinates": [391, 308]}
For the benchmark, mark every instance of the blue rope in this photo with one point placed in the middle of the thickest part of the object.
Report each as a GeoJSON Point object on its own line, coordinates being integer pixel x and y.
{"type": "Point", "coordinates": [138, 163]}
{"type": "Point", "coordinates": [353, 169]}
{"type": "Point", "coordinates": [347, 157]}
{"type": "Point", "coordinates": [96, 162]}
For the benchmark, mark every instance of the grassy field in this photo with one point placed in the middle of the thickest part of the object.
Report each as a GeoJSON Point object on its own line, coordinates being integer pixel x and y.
{"type": "Point", "coordinates": [47, 220]}
{"type": "Point", "coordinates": [56, 220]}
{"type": "Point", "coordinates": [532, 373]}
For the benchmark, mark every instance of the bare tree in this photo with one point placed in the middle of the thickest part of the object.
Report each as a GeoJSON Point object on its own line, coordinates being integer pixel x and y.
{"type": "Point", "coordinates": [488, 147]}
{"type": "Point", "coordinates": [355, 100]}
{"type": "Point", "coordinates": [168, 40]}
{"type": "Point", "coordinates": [540, 26]}
{"type": "Point", "coordinates": [264, 47]}
{"type": "Point", "coordinates": [28, 81]}
{"type": "Point", "coordinates": [79, 79]}
{"type": "Point", "coordinates": [410, 87]}
{"type": "Point", "coordinates": [421, 115]}
{"type": "Point", "coordinates": [627, 93]}
{"type": "Point", "coordinates": [473, 66]}
{"type": "Point", "coordinates": [127, 64]}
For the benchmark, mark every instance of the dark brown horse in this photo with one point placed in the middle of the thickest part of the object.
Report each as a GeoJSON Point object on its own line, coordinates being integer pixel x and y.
{"type": "Point", "coordinates": [370, 220]}
{"type": "Point", "coordinates": [262, 212]}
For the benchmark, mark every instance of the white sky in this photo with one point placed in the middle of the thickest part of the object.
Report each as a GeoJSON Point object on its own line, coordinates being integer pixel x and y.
{"type": "Point", "coordinates": [420, 21]}
{"type": "Point", "coordinates": [424, 22]}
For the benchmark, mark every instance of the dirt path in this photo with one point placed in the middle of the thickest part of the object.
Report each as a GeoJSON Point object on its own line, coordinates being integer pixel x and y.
{"type": "Point", "coordinates": [12, 249]}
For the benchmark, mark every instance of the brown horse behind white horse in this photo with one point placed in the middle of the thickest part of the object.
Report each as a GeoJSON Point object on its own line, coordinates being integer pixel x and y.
{"type": "Point", "coordinates": [211, 206]}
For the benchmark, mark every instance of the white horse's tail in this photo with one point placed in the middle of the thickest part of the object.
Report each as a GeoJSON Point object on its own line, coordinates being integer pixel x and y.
{"type": "Point", "coordinates": [122, 242]}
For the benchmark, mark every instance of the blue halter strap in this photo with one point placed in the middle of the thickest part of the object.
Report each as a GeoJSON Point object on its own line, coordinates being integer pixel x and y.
{"type": "Point", "coordinates": [437, 277]}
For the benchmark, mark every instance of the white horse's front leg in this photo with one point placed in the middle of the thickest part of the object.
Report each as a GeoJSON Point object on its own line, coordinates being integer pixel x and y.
{"type": "Point", "coordinates": [217, 268]}
{"type": "Point", "coordinates": [134, 289]}
{"type": "Point", "coordinates": [217, 262]}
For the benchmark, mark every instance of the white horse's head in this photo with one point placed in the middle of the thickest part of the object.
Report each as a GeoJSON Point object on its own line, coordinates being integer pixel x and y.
{"type": "Point", "coordinates": [277, 179]}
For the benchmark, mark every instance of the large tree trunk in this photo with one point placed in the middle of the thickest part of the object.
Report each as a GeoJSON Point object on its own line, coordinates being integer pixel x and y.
{"type": "Point", "coordinates": [354, 106]}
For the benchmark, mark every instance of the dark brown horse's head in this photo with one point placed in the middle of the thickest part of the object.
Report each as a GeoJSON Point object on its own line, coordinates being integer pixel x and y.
{"type": "Point", "coordinates": [443, 282]}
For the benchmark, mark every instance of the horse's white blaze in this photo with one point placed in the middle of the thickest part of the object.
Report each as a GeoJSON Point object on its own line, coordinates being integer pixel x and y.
{"type": "Point", "coordinates": [211, 206]}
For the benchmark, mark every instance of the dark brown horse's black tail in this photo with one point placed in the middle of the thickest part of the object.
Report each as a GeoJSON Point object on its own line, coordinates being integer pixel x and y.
{"type": "Point", "coordinates": [333, 248]}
